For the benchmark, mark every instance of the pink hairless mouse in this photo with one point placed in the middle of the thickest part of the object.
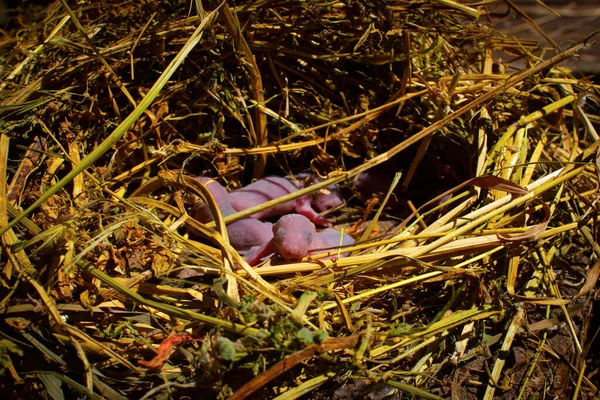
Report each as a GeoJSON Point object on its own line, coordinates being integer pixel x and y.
{"type": "Point", "coordinates": [324, 199]}
{"type": "Point", "coordinates": [202, 211]}
{"type": "Point", "coordinates": [248, 234]}
{"type": "Point", "coordinates": [294, 237]}
{"type": "Point", "coordinates": [273, 187]}
{"type": "Point", "coordinates": [243, 234]}
{"type": "Point", "coordinates": [330, 237]}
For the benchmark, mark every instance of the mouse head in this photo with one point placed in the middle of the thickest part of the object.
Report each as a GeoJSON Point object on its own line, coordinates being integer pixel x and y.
{"type": "Point", "coordinates": [328, 198]}
{"type": "Point", "coordinates": [292, 236]}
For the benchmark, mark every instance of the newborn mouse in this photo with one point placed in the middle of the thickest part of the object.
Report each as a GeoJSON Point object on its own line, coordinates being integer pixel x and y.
{"type": "Point", "coordinates": [270, 188]}
{"type": "Point", "coordinates": [295, 237]}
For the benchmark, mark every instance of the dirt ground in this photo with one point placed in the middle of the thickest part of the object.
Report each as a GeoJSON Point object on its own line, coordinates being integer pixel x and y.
{"type": "Point", "coordinates": [574, 19]}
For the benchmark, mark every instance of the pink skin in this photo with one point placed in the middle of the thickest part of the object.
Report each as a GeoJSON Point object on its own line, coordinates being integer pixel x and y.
{"type": "Point", "coordinates": [294, 237]}
{"type": "Point", "coordinates": [271, 188]}
{"type": "Point", "coordinates": [243, 234]}
{"type": "Point", "coordinates": [202, 212]}
{"type": "Point", "coordinates": [248, 233]}
{"type": "Point", "coordinates": [328, 198]}
{"type": "Point", "coordinates": [329, 238]}
{"type": "Point", "coordinates": [325, 199]}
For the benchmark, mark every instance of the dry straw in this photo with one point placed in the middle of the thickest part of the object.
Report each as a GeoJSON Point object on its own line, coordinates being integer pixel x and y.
{"type": "Point", "coordinates": [455, 286]}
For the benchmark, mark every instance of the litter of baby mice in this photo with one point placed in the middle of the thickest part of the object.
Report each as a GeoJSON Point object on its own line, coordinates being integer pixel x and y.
{"type": "Point", "coordinates": [292, 237]}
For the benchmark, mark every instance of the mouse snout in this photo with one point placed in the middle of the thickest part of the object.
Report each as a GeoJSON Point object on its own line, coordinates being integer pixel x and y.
{"type": "Point", "coordinates": [293, 251]}
{"type": "Point", "coordinates": [295, 245]}
{"type": "Point", "coordinates": [293, 235]}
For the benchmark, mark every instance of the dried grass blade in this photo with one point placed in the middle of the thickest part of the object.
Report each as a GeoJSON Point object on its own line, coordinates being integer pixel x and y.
{"type": "Point", "coordinates": [97, 53]}
{"type": "Point", "coordinates": [169, 309]}
{"type": "Point", "coordinates": [415, 391]}
{"type": "Point", "coordinates": [73, 385]}
{"type": "Point", "coordinates": [306, 387]}
{"type": "Point", "coordinates": [534, 116]}
{"type": "Point", "coordinates": [124, 126]}
{"type": "Point", "coordinates": [590, 281]}
{"type": "Point", "coordinates": [470, 106]}
{"type": "Point", "coordinates": [367, 233]}
{"type": "Point", "coordinates": [291, 361]}
{"type": "Point", "coordinates": [17, 70]}
{"type": "Point", "coordinates": [256, 86]}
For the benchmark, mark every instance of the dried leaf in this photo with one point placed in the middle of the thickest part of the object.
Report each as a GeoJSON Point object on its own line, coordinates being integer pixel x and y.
{"type": "Point", "coordinates": [591, 280]}
{"type": "Point", "coordinates": [165, 350]}
{"type": "Point", "coordinates": [532, 233]}
{"type": "Point", "coordinates": [497, 183]}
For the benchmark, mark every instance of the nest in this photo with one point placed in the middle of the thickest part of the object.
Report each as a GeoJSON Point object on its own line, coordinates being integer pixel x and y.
{"type": "Point", "coordinates": [474, 276]}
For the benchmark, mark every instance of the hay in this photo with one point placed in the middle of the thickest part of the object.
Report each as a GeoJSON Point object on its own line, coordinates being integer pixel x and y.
{"type": "Point", "coordinates": [482, 271]}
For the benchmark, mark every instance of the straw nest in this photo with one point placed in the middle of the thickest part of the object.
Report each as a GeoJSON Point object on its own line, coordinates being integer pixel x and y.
{"type": "Point", "coordinates": [478, 282]}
